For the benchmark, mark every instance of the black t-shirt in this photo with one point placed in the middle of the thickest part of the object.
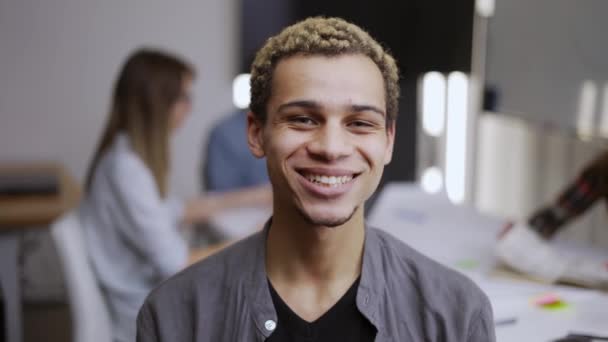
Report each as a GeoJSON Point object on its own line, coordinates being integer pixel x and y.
{"type": "Point", "coordinates": [342, 322]}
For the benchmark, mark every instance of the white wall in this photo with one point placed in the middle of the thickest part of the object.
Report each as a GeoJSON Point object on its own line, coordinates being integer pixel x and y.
{"type": "Point", "coordinates": [541, 52]}
{"type": "Point", "coordinates": [58, 61]}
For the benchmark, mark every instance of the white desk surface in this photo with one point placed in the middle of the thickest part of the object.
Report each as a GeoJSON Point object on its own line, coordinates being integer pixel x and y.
{"type": "Point", "coordinates": [238, 223]}
{"type": "Point", "coordinates": [463, 239]}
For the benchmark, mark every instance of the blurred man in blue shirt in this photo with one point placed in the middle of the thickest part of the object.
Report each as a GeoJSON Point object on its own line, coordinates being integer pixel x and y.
{"type": "Point", "coordinates": [229, 164]}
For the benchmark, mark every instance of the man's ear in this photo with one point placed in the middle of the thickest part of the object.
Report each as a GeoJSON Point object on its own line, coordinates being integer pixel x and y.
{"type": "Point", "coordinates": [390, 133]}
{"type": "Point", "coordinates": [255, 135]}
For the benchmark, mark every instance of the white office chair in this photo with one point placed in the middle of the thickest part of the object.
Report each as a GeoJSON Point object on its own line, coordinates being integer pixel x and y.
{"type": "Point", "coordinates": [90, 318]}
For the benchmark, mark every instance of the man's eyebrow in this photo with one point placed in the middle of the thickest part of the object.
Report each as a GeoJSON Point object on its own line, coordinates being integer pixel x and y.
{"type": "Point", "coordinates": [367, 108]}
{"type": "Point", "coordinates": [316, 106]}
{"type": "Point", "coordinates": [299, 104]}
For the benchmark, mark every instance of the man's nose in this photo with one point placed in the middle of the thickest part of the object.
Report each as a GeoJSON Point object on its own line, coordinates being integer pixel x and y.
{"type": "Point", "coordinates": [332, 142]}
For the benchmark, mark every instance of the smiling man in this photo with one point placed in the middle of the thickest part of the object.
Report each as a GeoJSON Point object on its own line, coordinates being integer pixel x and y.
{"type": "Point", "coordinates": [323, 110]}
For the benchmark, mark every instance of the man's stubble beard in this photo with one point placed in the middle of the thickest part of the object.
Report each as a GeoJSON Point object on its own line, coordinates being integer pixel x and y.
{"type": "Point", "coordinates": [326, 223]}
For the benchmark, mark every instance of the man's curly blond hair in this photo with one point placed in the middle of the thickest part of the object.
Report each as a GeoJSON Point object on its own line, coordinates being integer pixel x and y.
{"type": "Point", "coordinates": [326, 37]}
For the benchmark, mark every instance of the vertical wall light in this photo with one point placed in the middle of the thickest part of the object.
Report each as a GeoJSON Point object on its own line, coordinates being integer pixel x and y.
{"type": "Point", "coordinates": [586, 109]}
{"type": "Point", "coordinates": [485, 8]}
{"type": "Point", "coordinates": [456, 136]}
{"type": "Point", "coordinates": [604, 113]}
{"type": "Point", "coordinates": [240, 91]}
{"type": "Point", "coordinates": [433, 103]}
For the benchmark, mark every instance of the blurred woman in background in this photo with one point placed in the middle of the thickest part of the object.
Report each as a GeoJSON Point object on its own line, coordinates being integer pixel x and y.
{"type": "Point", "coordinates": [131, 223]}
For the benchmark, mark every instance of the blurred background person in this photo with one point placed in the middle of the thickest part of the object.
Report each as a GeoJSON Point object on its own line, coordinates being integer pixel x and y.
{"type": "Point", "coordinates": [131, 222]}
{"type": "Point", "coordinates": [229, 164]}
{"type": "Point", "coordinates": [524, 246]}
{"type": "Point", "coordinates": [589, 187]}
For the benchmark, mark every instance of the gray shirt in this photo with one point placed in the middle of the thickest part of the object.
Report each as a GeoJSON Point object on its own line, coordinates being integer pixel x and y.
{"type": "Point", "coordinates": [131, 234]}
{"type": "Point", "coordinates": [405, 295]}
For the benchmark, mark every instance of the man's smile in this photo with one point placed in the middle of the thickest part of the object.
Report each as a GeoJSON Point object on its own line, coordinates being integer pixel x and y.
{"type": "Point", "coordinates": [327, 182]}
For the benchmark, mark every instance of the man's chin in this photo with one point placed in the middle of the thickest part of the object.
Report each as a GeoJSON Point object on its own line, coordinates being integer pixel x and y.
{"type": "Point", "coordinates": [330, 221]}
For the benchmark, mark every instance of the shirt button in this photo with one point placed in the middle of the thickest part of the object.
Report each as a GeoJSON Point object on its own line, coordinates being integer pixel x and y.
{"type": "Point", "coordinates": [270, 325]}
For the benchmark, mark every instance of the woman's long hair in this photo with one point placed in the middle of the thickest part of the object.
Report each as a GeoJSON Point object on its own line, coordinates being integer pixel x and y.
{"type": "Point", "coordinates": [148, 86]}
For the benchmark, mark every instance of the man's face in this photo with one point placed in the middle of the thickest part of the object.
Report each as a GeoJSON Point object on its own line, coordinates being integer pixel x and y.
{"type": "Point", "coordinates": [325, 137]}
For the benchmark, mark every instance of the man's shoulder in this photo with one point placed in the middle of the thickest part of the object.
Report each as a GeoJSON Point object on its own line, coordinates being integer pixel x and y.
{"type": "Point", "coordinates": [440, 287]}
{"type": "Point", "coordinates": [217, 274]}
{"type": "Point", "coordinates": [444, 301]}
{"type": "Point", "coordinates": [199, 297]}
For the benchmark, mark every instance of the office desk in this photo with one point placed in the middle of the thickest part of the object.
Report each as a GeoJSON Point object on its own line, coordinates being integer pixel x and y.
{"type": "Point", "coordinates": [238, 223]}
{"type": "Point", "coordinates": [21, 212]}
{"type": "Point", "coordinates": [463, 239]}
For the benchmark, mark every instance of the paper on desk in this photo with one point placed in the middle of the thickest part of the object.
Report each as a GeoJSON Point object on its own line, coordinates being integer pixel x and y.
{"type": "Point", "coordinates": [586, 272]}
{"type": "Point", "coordinates": [523, 250]}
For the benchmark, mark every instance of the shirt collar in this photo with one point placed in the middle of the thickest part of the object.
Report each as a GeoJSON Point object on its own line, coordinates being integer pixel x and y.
{"type": "Point", "coordinates": [372, 284]}
{"type": "Point", "coordinates": [369, 293]}
{"type": "Point", "coordinates": [260, 299]}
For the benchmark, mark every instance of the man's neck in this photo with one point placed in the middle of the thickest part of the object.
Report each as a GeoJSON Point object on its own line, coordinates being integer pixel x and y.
{"type": "Point", "coordinates": [300, 252]}
{"type": "Point", "coordinates": [311, 267]}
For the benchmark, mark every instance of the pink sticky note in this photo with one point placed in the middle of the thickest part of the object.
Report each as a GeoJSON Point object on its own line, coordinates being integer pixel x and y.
{"type": "Point", "coordinates": [547, 299]}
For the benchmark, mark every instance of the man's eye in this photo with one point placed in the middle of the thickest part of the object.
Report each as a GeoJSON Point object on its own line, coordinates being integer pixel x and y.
{"type": "Point", "coordinates": [361, 124]}
{"type": "Point", "coordinates": [302, 120]}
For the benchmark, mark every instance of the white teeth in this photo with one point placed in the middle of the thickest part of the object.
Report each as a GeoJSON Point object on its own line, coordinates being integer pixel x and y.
{"type": "Point", "coordinates": [332, 181]}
